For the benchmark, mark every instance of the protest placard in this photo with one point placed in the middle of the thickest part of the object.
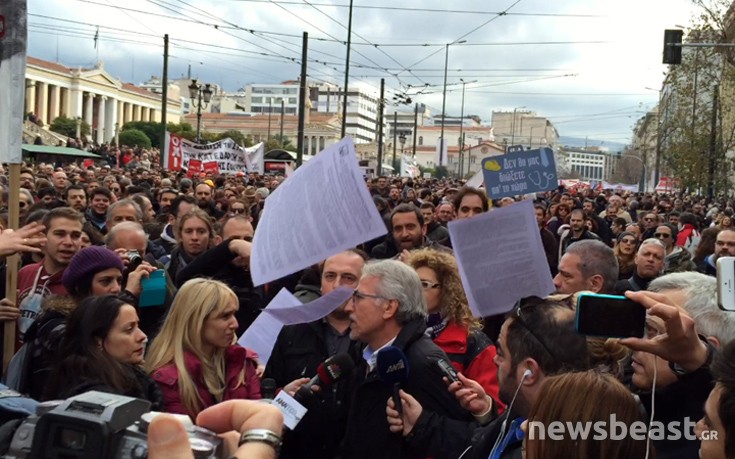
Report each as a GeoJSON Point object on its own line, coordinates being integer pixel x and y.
{"type": "Point", "coordinates": [523, 172]}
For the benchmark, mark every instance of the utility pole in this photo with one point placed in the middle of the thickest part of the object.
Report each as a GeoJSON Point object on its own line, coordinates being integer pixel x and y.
{"type": "Point", "coordinates": [347, 73]}
{"type": "Point", "coordinates": [282, 110]}
{"type": "Point", "coordinates": [712, 145]}
{"type": "Point", "coordinates": [164, 101]}
{"type": "Point", "coordinates": [379, 170]}
{"type": "Point", "coordinates": [302, 102]}
{"type": "Point", "coordinates": [415, 128]}
{"type": "Point", "coordinates": [395, 138]}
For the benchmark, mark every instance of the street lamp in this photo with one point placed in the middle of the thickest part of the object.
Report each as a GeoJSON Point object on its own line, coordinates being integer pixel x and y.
{"type": "Point", "coordinates": [402, 141]}
{"type": "Point", "coordinates": [200, 97]}
{"type": "Point", "coordinates": [444, 96]}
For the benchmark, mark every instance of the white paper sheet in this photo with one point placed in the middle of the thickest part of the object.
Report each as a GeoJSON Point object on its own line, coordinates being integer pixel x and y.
{"type": "Point", "coordinates": [286, 309]}
{"type": "Point", "coordinates": [501, 258]}
{"type": "Point", "coordinates": [322, 209]}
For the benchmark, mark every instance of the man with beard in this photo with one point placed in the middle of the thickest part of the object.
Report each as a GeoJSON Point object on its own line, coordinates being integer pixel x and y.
{"type": "Point", "coordinates": [408, 232]}
{"type": "Point", "coordinates": [577, 231]}
{"type": "Point", "coordinates": [649, 264]}
{"type": "Point", "coordinates": [203, 193]}
{"type": "Point", "coordinates": [434, 230]}
{"type": "Point", "coordinates": [300, 349]}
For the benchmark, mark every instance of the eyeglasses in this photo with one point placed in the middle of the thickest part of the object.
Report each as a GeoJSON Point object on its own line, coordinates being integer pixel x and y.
{"type": "Point", "coordinates": [661, 235]}
{"type": "Point", "coordinates": [526, 302]}
{"type": "Point", "coordinates": [426, 285]}
{"type": "Point", "coordinates": [358, 295]}
{"type": "Point", "coordinates": [238, 211]}
{"type": "Point", "coordinates": [647, 219]}
{"type": "Point", "coordinates": [628, 241]}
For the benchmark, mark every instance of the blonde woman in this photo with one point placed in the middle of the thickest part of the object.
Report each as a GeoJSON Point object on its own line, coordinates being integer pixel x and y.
{"type": "Point", "coordinates": [450, 323]}
{"type": "Point", "coordinates": [194, 359]}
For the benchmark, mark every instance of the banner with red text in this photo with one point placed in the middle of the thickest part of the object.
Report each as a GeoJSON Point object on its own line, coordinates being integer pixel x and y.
{"type": "Point", "coordinates": [228, 157]}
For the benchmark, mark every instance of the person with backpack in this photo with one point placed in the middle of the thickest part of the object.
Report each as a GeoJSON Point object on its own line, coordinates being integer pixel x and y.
{"type": "Point", "coordinates": [689, 235]}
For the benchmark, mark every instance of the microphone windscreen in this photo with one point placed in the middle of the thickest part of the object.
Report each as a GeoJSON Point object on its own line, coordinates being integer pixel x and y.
{"type": "Point", "coordinates": [335, 368]}
{"type": "Point", "coordinates": [268, 388]}
{"type": "Point", "coordinates": [392, 365]}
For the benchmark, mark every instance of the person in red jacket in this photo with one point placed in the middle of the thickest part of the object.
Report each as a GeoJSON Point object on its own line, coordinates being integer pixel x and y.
{"type": "Point", "coordinates": [194, 359]}
{"type": "Point", "coordinates": [451, 324]}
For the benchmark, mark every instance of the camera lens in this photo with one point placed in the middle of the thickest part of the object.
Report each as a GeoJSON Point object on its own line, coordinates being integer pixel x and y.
{"type": "Point", "coordinates": [201, 448]}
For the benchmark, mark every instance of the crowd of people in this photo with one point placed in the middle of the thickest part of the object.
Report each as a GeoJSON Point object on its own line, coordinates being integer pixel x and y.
{"type": "Point", "coordinates": [94, 238]}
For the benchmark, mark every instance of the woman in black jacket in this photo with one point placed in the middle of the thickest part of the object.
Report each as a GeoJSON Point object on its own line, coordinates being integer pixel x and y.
{"type": "Point", "coordinates": [102, 350]}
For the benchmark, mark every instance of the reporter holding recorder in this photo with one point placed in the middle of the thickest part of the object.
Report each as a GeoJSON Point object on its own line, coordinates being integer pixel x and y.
{"type": "Point", "coordinates": [194, 358]}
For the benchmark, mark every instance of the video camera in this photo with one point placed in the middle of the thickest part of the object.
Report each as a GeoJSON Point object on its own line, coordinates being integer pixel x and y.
{"type": "Point", "coordinates": [97, 425]}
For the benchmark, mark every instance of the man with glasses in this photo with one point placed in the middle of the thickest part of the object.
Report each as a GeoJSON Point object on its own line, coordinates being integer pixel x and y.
{"type": "Point", "coordinates": [537, 340]}
{"type": "Point", "coordinates": [649, 264]}
{"type": "Point", "coordinates": [724, 247]}
{"type": "Point", "coordinates": [301, 348]}
{"type": "Point", "coordinates": [677, 259]}
{"type": "Point", "coordinates": [388, 309]}
{"type": "Point", "coordinates": [650, 223]}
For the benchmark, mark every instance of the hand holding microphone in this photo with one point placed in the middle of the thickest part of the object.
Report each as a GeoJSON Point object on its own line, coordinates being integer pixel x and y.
{"type": "Point", "coordinates": [330, 371]}
{"type": "Point", "coordinates": [393, 370]}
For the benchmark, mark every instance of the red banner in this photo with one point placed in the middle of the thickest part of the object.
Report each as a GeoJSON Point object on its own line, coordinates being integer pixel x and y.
{"type": "Point", "coordinates": [210, 167]}
{"type": "Point", "coordinates": [195, 166]}
{"type": "Point", "coordinates": [175, 156]}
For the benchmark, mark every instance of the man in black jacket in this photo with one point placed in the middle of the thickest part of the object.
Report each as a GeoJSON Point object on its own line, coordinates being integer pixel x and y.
{"type": "Point", "coordinates": [649, 264]}
{"type": "Point", "coordinates": [388, 309]}
{"type": "Point", "coordinates": [408, 232]}
{"type": "Point", "coordinates": [229, 262]}
{"type": "Point", "coordinates": [301, 348]}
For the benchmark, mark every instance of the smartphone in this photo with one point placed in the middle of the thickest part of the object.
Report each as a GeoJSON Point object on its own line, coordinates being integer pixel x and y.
{"type": "Point", "coordinates": [726, 283]}
{"type": "Point", "coordinates": [447, 370]}
{"type": "Point", "coordinates": [609, 316]}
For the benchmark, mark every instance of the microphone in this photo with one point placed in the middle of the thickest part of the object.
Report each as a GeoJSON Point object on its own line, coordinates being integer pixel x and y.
{"type": "Point", "coordinates": [268, 388]}
{"type": "Point", "coordinates": [393, 369]}
{"type": "Point", "coordinates": [330, 371]}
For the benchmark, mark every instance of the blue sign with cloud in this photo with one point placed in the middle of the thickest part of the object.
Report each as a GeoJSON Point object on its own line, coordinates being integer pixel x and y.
{"type": "Point", "coordinates": [529, 171]}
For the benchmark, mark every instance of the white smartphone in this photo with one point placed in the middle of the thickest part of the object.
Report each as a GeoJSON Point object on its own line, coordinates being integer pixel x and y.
{"type": "Point", "coordinates": [726, 283]}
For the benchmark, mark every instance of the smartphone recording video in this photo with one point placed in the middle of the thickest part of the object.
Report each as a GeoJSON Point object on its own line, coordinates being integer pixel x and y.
{"type": "Point", "coordinates": [726, 283]}
{"type": "Point", "coordinates": [609, 316]}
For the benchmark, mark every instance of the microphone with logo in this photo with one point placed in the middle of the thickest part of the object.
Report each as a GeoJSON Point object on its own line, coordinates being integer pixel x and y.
{"type": "Point", "coordinates": [393, 369]}
{"type": "Point", "coordinates": [330, 371]}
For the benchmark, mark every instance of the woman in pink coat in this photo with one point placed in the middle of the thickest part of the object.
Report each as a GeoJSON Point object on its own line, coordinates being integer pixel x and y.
{"type": "Point", "coordinates": [194, 359]}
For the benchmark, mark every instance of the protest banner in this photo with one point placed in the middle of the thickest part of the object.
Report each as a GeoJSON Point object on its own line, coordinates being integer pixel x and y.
{"type": "Point", "coordinates": [522, 172]}
{"type": "Point", "coordinates": [229, 157]}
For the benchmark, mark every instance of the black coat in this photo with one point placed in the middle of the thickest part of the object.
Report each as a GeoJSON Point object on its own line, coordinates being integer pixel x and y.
{"type": "Point", "coordinates": [297, 353]}
{"type": "Point", "coordinates": [368, 435]}
{"type": "Point", "coordinates": [215, 263]}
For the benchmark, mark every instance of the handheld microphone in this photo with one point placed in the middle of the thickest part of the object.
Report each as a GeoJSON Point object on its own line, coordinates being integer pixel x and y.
{"type": "Point", "coordinates": [268, 388]}
{"type": "Point", "coordinates": [330, 371]}
{"type": "Point", "coordinates": [392, 365]}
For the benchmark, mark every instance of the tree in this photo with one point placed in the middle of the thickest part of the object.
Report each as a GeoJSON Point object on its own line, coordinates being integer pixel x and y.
{"type": "Point", "coordinates": [238, 137]}
{"type": "Point", "coordinates": [441, 172]}
{"type": "Point", "coordinates": [150, 128]}
{"type": "Point", "coordinates": [184, 130]}
{"type": "Point", "coordinates": [68, 127]}
{"type": "Point", "coordinates": [687, 103]}
{"type": "Point", "coordinates": [134, 137]}
{"type": "Point", "coordinates": [275, 144]}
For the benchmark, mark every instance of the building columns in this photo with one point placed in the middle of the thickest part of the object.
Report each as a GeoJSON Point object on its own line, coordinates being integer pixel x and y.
{"type": "Point", "coordinates": [76, 105]}
{"type": "Point", "coordinates": [89, 109]}
{"type": "Point", "coordinates": [42, 102]}
{"type": "Point", "coordinates": [136, 113]}
{"type": "Point", "coordinates": [110, 120]}
{"type": "Point", "coordinates": [31, 97]}
{"type": "Point", "coordinates": [54, 103]}
{"type": "Point", "coordinates": [100, 137]}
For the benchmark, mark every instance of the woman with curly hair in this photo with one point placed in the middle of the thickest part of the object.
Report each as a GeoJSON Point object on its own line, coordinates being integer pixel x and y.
{"type": "Point", "coordinates": [450, 323]}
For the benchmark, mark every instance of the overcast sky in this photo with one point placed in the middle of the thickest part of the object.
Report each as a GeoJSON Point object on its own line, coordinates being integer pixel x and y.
{"type": "Point", "coordinates": [592, 82]}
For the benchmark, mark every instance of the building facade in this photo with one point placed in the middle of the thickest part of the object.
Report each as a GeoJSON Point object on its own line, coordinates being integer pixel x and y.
{"type": "Point", "coordinates": [92, 95]}
{"type": "Point", "coordinates": [524, 127]}
{"type": "Point", "coordinates": [361, 112]}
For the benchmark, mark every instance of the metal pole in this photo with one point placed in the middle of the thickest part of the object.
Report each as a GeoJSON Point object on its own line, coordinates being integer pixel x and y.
{"type": "Point", "coordinates": [712, 144]}
{"type": "Point", "coordinates": [461, 131]}
{"type": "Point", "coordinates": [379, 170]}
{"type": "Point", "coordinates": [347, 74]}
{"type": "Point", "coordinates": [444, 105]}
{"type": "Point", "coordinates": [395, 137]}
{"type": "Point", "coordinates": [270, 110]}
{"type": "Point", "coordinates": [302, 102]}
{"type": "Point", "coordinates": [282, 109]}
{"type": "Point", "coordinates": [164, 102]}
{"type": "Point", "coordinates": [199, 114]}
{"type": "Point", "coordinates": [513, 128]}
{"type": "Point", "coordinates": [415, 128]}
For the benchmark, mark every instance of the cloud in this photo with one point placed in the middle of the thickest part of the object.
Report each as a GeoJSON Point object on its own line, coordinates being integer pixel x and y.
{"type": "Point", "coordinates": [607, 77]}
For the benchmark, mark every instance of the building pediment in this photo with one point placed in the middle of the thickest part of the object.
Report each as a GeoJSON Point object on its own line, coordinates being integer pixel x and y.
{"type": "Point", "coordinates": [101, 77]}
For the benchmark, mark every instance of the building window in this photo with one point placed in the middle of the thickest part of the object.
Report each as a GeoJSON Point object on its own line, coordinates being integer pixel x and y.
{"type": "Point", "coordinates": [257, 100]}
{"type": "Point", "coordinates": [421, 140]}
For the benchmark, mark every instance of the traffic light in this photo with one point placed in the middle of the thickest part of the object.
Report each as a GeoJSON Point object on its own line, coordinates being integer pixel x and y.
{"type": "Point", "coordinates": [672, 46]}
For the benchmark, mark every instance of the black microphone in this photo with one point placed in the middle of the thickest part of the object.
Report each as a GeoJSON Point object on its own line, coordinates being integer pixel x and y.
{"type": "Point", "coordinates": [268, 388]}
{"type": "Point", "coordinates": [330, 371]}
{"type": "Point", "coordinates": [393, 369]}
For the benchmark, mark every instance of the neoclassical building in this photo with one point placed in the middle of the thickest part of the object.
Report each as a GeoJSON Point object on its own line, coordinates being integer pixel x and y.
{"type": "Point", "coordinates": [94, 96]}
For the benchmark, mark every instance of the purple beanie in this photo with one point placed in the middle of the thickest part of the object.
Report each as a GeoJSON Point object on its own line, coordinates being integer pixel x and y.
{"type": "Point", "coordinates": [89, 260]}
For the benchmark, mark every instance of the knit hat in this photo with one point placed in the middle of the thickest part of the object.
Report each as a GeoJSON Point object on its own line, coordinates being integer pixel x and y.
{"type": "Point", "coordinates": [89, 260]}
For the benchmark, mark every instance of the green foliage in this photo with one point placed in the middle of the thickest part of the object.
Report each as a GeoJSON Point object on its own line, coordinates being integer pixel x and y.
{"type": "Point", "coordinates": [134, 137]}
{"type": "Point", "coordinates": [184, 130]}
{"type": "Point", "coordinates": [238, 137]}
{"type": "Point", "coordinates": [441, 172]}
{"type": "Point", "coordinates": [68, 127]}
{"type": "Point", "coordinates": [275, 144]}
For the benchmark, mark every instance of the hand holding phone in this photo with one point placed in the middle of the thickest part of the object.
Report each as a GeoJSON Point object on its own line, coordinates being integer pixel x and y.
{"type": "Point", "coordinates": [726, 283]}
{"type": "Point", "coordinates": [609, 316]}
